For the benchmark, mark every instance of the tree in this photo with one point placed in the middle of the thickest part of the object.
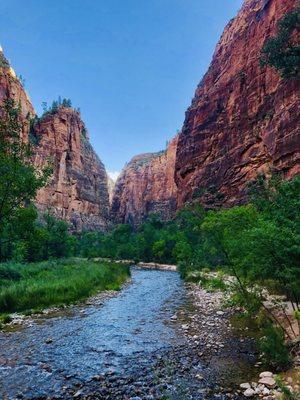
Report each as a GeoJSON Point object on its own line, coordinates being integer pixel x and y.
{"type": "Point", "coordinates": [56, 237]}
{"type": "Point", "coordinates": [280, 51]}
{"type": "Point", "coordinates": [19, 178]}
{"type": "Point", "coordinates": [182, 251]}
{"type": "Point", "coordinates": [159, 249]}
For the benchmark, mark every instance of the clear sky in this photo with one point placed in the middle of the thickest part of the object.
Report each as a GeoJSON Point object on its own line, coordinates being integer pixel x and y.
{"type": "Point", "coordinates": [132, 66]}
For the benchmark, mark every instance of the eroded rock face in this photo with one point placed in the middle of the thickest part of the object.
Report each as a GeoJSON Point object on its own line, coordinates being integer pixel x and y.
{"type": "Point", "coordinates": [244, 119]}
{"type": "Point", "coordinates": [77, 191]}
{"type": "Point", "coordinates": [11, 88]}
{"type": "Point", "coordinates": [146, 185]}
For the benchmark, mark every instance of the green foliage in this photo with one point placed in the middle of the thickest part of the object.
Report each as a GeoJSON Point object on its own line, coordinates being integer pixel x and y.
{"type": "Point", "coordinates": [27, 238]}
{"type": "Point", "coordinates": [286, 393]}
{"type": "Point", "coordinates": [273, 348]}
{"type": "Point", "coordinates": [206, 280]}
{"type": "Point", "coordinates": [56, 282]}
{"type": "Point", "coordinates": [34, 139]}
{"type": "Point", "coordinates": [56, 105]}
{"type": "Point", "coordinates": [5, 319]}
{"type": "Point", "coordinates": [280, 51]}
{"type": "Point", "coordinates": [19, 179]}
{"type": "Point", "coordinates": [9, 273]}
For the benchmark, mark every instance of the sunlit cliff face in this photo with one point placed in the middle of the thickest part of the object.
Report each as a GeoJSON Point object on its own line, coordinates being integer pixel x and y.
{"type": "Point", "coordinates": [243, 120]}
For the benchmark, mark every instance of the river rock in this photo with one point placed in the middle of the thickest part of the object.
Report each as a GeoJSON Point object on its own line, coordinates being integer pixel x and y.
{"type": "Point", "coordinates": [268, 381]}
{"type": "Point", "coordinates": [249, 392]}
{"type": "Point", "coordinates": [259, 389]}
{"type": "Point", "coordinates": [265, 391]}
{"type": "Point", "coordinates": [245, 385]}
{"type": "Point", "coordinates": [266, 374]}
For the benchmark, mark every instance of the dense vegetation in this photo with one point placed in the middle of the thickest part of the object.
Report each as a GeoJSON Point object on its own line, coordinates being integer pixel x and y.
{"type": "Point", "coordinates": [25, 287]}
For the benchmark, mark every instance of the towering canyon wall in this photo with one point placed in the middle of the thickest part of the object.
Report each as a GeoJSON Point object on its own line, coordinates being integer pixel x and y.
{"type": "Point", "coordinates": [77, 190]}
{"type": "Point", "coordinates": [244, 119]}
{"type": "Point", "coordinates": [146, 185]}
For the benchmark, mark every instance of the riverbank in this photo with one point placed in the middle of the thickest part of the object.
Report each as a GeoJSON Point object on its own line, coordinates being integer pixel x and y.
{"type": "Point", "coordinates": [28, 288]}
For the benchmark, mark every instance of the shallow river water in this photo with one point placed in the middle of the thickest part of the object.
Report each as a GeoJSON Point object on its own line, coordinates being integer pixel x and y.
{"type": "Point", "coordinates": [153, 340]}
{"type": "Point", "coordinates": [38, 359]}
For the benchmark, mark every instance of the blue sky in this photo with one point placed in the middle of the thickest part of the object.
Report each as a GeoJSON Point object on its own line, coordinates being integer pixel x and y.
{"type": "Point", "coordinates": [132, 66]}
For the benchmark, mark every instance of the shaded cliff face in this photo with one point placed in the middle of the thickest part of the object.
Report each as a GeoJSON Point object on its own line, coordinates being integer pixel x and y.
{"type": "Point", "coordinates": [77, 191]}
{"type": "Point", "coordinates": [244, 119]}
{"type": "Point", "coordinates": [146, 185]}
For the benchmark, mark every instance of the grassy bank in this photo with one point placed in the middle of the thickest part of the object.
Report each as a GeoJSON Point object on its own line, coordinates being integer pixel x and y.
{"type": "Point", "coordinates": [25, 287]}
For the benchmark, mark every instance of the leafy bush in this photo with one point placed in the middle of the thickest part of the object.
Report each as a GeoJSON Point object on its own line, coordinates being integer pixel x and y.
{"type": "Point", "coordinates": [273, 348]}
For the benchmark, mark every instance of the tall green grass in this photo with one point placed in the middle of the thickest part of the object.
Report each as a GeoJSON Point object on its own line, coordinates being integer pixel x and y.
{"type": "Point", "coordinates": [24, 287]}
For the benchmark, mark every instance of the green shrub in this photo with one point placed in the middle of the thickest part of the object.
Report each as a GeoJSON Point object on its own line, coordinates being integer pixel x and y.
{"type": "Point", "coordinates": [5, 319]}
{"type": "Point", "coordinates": [213, 284]}
{"type": "Point", "coordinates": [274, 350]}
{"type": "Point", "coordinates": [286, 393]}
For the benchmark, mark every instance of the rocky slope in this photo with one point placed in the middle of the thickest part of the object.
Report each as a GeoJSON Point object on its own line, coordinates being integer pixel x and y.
{"type": "Point", "coordinates": [146, 185]}
{"type": "Point", "coordinates": [77, 191]}
{"type": "Point", "coordinates": [244, 119]}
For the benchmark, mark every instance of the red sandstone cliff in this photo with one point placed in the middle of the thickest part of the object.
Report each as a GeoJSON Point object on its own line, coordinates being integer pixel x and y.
{"type": "Point", "coordinates": [146, 185]}
{"type": "Point", "coordinates": [244, 119]}
{"type": "Point", "coordinates": [77, 191]}
{"type": "Point", "coordinates": [11, 88]}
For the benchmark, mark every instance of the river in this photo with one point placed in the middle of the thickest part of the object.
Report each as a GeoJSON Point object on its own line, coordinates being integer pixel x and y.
{"type": "Point", "coordinates": [120, 348]}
